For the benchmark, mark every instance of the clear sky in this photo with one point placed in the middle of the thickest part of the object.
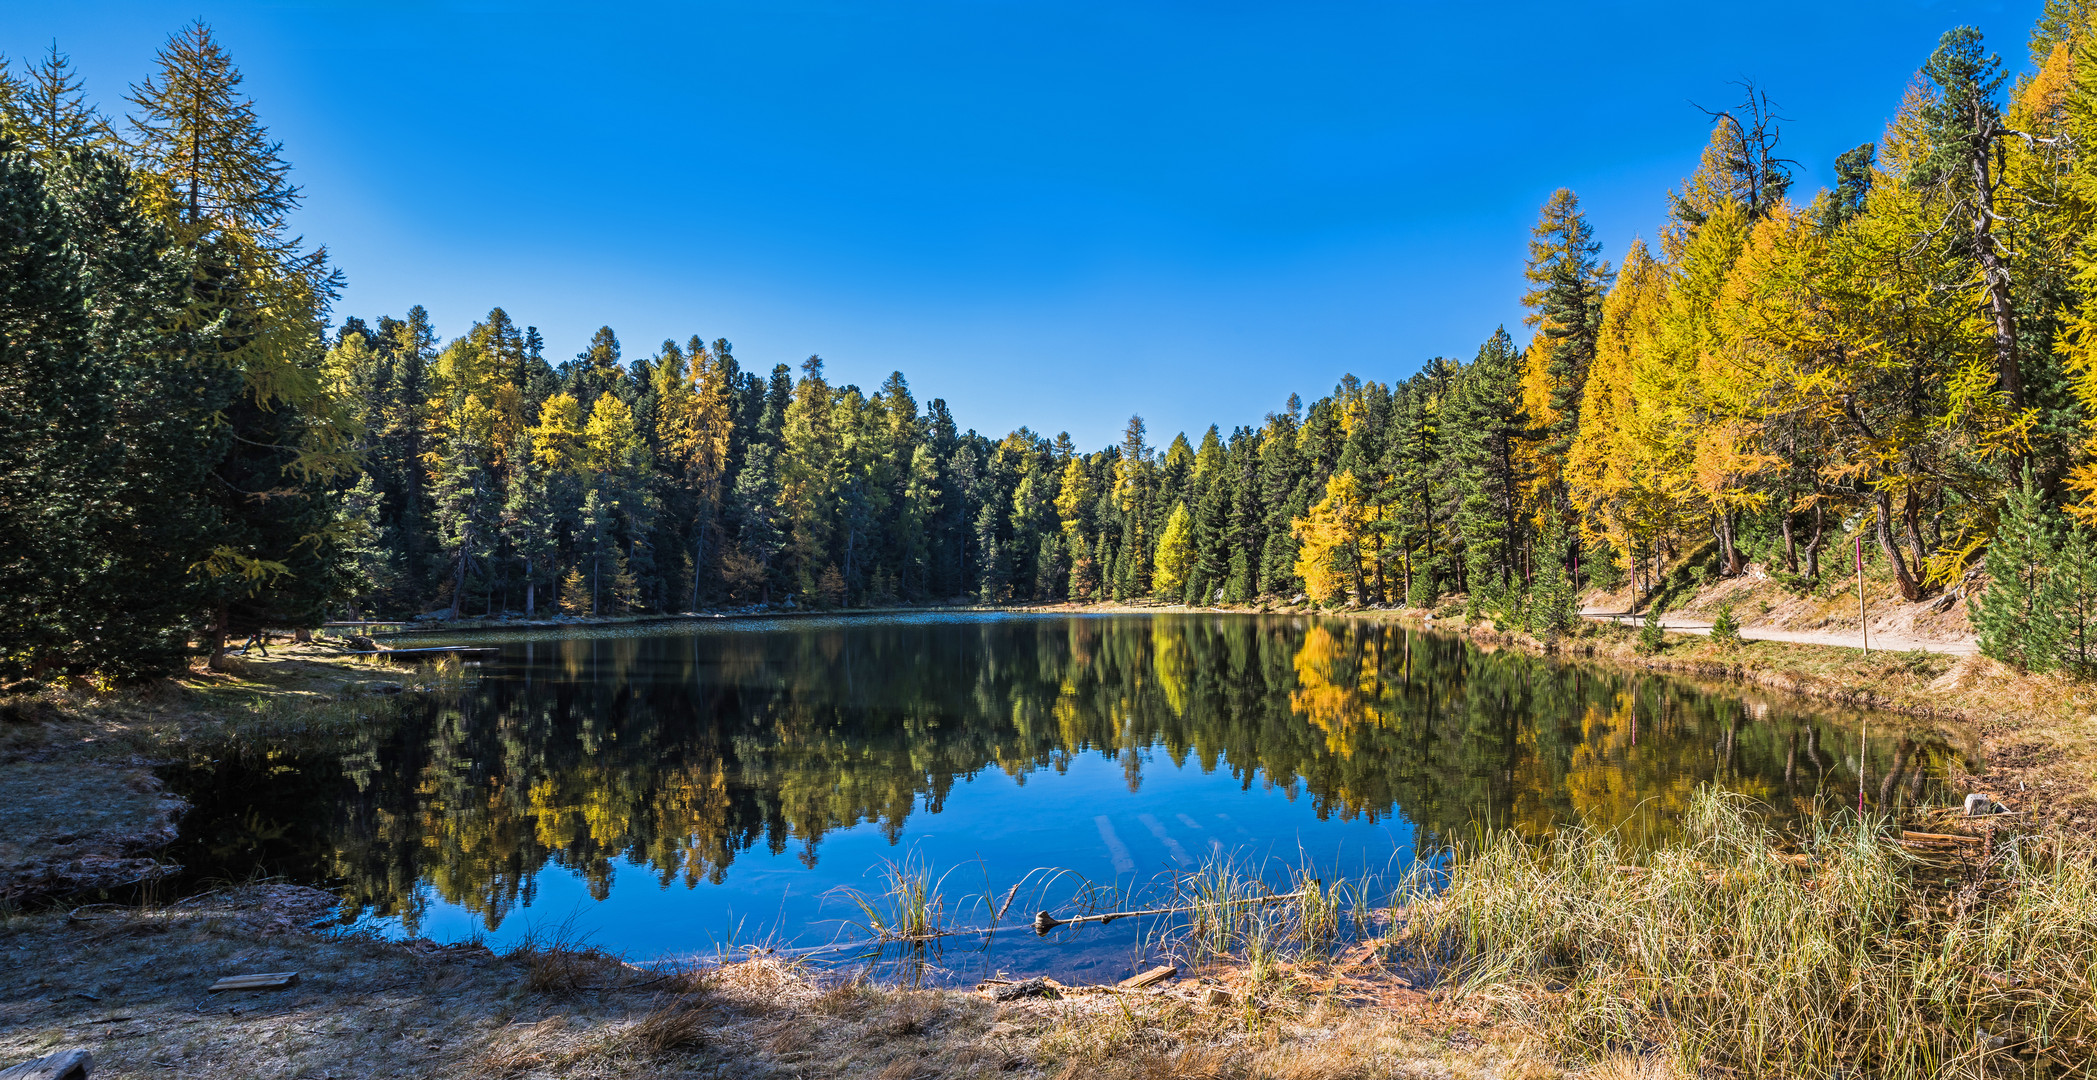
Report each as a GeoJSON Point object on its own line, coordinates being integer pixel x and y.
{"type": "Point", "coordinates": [1051, 214]}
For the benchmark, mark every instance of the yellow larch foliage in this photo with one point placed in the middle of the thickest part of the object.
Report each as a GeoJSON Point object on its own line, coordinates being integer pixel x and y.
{"type": "Point", "coordinates": [611, 443]}
{"type": "Point", "coordinates": [1330, 539]}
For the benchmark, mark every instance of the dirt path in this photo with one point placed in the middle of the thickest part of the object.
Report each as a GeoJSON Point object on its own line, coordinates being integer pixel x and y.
{"type": "Point", "coordinates": [1888, 642]}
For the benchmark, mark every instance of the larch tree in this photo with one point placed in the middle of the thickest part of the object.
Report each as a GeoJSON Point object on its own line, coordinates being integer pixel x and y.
{"type": "Point", "coordinates": [258, 302]}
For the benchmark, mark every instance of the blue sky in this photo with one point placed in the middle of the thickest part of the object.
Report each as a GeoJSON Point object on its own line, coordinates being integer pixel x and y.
{"type": "Point", "coordinates": [1049, 214]}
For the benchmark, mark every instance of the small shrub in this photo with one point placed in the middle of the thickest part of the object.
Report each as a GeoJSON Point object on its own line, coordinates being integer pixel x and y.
{"type": "Point", "coordinates": [1725, 630]}
{"type": "Point", "coordinates": [1602, 570]}
{"type": "Point", "coordinates": [1799, 584]}
{"type": "Point", "coordinates": [1651, 637]}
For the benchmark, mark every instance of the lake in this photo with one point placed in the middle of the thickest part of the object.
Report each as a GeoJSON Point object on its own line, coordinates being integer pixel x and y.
{"type": "Point", "coordinates": [672, 789]}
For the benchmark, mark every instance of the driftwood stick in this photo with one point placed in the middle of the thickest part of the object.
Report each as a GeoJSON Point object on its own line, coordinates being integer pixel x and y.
{"type": "Point", "coordinates": [1044, 922]}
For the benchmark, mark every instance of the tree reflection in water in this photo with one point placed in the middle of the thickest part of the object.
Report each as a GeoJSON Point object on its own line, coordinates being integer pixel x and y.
{"type": "Point", "coordinates": [674, 752]}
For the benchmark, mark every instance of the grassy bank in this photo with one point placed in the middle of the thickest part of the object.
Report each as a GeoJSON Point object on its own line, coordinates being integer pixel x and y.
{"type": "Point", "coordinates": [1839, 952]}
{"type": "Point", "coordinates": [131, 985]}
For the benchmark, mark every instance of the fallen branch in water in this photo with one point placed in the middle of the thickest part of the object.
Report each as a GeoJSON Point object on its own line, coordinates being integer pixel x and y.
{"type": "Point", "coordinates": [1044, 922]}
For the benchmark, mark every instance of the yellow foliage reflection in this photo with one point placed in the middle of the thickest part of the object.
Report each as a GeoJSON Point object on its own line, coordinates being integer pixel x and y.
{"type": "Point", "coordinates": [674, 755]}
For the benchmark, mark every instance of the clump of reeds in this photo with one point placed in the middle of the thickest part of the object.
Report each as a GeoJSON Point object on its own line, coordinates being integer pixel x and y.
{"type": "Point", "coordinates": [1228, 913]}
{"type": "Point", "coordinates": [1835, 952]}
{"type": "Point", "coordinates": [561, 960]}
{"type": "Point", "coordinates": [907, 906]}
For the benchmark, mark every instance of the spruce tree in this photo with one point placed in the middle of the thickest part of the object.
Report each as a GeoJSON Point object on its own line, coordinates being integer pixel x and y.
{"type": "Point", "coordinates": [2016, 618]}
{"type": "Point", "coordinates": [1247, 528]}
{"type": "Point", "coordinates": [106, 428]}
{"type": "Point", "coordinates": [1281, 477]}
{"type": "Point", "coordinates": [2072, 597]}
{"type": "Point", "coordinates": [1489, 425]}
{"type": "Point", "coordinates": [1567, 283]}
{"type": "Point", "coordinates": [51, 114]}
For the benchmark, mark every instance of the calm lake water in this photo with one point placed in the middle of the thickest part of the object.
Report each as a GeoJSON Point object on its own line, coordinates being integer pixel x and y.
{"type": "Point", "coordinates": [673, 789]}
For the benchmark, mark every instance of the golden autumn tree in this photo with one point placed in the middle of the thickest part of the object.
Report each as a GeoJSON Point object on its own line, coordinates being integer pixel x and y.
{"type": "Point", "coordinates": [1332, 538]}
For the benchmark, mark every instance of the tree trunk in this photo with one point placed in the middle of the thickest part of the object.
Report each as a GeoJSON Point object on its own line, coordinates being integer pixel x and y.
{"type": "Point", "coordinates": [1728, 549]}
{"type": "Point", "coordinates": [698, 564]}
{"type": "Point", "coordinates": [458, 584]}
{"type": "Point", "coordinates": [215, 641]}
{"type": "Point", "coordinates": [1910, 589]}
{"type": "Point", "coordinates": [1911, 515]}
{"type": "Point", "coordinates": [1813, 545]}
{"type": "Point", "coordinates": [1790, 545]}
{"type": "Point", "coordinates": [1995, 273]}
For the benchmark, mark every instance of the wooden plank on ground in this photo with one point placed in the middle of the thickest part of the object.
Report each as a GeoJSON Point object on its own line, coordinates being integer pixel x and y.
{"type": "Point", "coordinates": [1152, 977]}
{"type": "Point", "coordinates": [65, 1065]}
{"type": "Point", "coordinates": [268, 980]}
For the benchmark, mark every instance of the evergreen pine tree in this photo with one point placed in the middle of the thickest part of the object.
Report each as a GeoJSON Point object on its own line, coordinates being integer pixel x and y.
{"type": "Point", "coordinates": [106, 429]}
{"type": "Point", "coordinates": [1489, 424]}
{"type": "Point", "coordinates": [1567, 284]}
{"type": "Point", "coordinates": [2072, 597]}
{"type": "Point", "coordinates": [1725, 630]}
{"type": "Point", "coordinates": [2016, 618]}
{"type": "Point", "coordinates": [1652, 635]}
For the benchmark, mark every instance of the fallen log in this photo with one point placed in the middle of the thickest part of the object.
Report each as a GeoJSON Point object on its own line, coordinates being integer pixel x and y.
{"type": "Point", "coordinates": [73, 1064]}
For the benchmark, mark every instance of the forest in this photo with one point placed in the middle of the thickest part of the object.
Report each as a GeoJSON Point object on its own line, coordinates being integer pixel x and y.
{"type": "Point", "coordinates": [193, 449]}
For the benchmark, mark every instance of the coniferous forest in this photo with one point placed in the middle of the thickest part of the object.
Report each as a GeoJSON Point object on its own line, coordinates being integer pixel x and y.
{"type": "Point", "coordinates": [194, 445]}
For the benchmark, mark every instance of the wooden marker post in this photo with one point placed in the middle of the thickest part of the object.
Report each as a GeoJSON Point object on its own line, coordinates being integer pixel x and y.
{"type": "Point", "coordinates": [1863, 622]}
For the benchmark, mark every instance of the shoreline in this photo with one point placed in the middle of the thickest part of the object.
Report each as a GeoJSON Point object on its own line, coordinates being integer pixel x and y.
{"type": "Point", "coordinates": [2036, 735]}
{"type": "Point", "coordinates": [372, 1007]}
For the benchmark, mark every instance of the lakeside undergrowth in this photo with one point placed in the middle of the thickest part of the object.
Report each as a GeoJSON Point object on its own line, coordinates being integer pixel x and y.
{"type": "Point", "coordinates": [1831, 952]}
{"type": "Point", "coordinates": [1824, 948]}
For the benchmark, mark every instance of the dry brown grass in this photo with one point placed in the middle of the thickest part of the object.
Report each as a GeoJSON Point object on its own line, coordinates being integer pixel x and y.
{"type": "Point", "coordinates": [130, 986]}
{"type": "Point", "coordinates": [1827, 953]}
{"type": "Point", "coordinates": [1634, 1067]}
